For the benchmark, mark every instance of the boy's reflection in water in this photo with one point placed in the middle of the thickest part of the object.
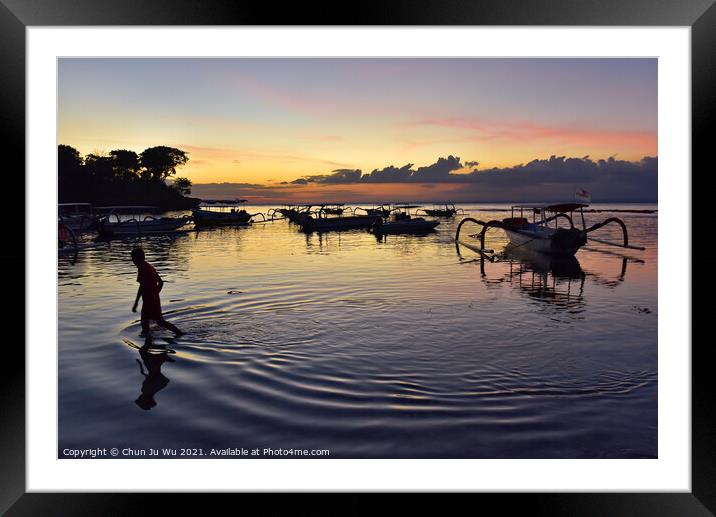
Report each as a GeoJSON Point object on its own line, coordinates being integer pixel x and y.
{"type": "Point", "coordinates": [154, 379]}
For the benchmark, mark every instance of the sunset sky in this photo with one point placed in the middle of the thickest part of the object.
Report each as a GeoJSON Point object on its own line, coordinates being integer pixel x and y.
{"type": "Point", "coordinates": [267, 121]}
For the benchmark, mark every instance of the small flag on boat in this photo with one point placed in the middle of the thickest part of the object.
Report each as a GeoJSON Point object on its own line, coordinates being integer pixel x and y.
{"type": "Point", "coordinates": [582, 196]}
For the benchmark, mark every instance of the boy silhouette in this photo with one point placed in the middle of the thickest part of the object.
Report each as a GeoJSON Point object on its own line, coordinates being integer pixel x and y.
{"type": "Point", "coordinates": [150, 283]}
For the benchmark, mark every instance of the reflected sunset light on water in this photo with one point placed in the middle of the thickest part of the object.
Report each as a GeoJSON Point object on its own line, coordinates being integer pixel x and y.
{"type": "Point", "coordinates": [402, 346]}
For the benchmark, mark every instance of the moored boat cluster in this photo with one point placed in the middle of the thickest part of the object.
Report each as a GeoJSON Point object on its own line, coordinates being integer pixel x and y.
{"type": "Point", "coordinates": [551, 229]}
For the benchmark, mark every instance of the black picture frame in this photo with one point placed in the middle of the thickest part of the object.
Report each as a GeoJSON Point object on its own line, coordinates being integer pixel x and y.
{"type": "Point", "coordinates": [16, 15]}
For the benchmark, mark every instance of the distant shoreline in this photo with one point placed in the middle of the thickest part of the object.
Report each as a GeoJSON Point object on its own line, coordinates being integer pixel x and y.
{"type": "Point", "coordinates": [586, 210]}
{"type": "Point", "coordinates": [491, 209]}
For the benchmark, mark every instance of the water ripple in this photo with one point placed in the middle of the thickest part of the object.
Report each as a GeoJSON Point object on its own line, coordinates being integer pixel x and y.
{"type": "Point", "coordinates": [391, 348]}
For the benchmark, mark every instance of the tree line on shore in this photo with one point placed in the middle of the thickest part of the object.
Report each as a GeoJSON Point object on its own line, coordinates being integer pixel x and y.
{"type": "Point", "coordinates": [122, 177]}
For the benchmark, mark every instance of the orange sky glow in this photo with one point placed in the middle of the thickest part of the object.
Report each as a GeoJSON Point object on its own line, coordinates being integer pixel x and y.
{"type": "Point", "coordinates": [267, 121]}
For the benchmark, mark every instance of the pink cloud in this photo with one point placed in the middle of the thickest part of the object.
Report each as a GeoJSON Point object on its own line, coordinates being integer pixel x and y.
{"type": "Point", "coordinates": [522, 130]}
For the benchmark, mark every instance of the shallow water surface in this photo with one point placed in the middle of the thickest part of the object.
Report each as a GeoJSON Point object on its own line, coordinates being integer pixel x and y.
{"type": "Point", "coordinates": [405, 346]}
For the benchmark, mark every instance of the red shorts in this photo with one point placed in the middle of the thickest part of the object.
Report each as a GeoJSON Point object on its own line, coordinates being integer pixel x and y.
{"type": "Point", "coordinates": [151, 310]}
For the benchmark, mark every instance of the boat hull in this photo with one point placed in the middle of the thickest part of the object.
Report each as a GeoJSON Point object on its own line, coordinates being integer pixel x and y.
{"type": "Point", "coordinates": [203, 218]}
{"type": "Point", "coordinates": [440, 213]}
{"type": "Point", "coordinates": [309, 224]}
{"type": "Point", "coordinates": [566, 242]}
{"type": "Point", "coordinates": [134, 227]}
{"type": "Point", "coordinates": [411, 226]}
{"type": "Point", "coordinates": [80, 223]}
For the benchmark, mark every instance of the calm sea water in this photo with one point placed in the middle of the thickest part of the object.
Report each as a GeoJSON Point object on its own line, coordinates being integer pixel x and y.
{"type": "Point", "coordinates": [402, 347]}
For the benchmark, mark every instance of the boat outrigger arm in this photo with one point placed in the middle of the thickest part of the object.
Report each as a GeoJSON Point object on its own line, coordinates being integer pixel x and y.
{"type": "Point", "coordinates": [545, 239]}
{"type": "Point", "coordinates": [444, 210]}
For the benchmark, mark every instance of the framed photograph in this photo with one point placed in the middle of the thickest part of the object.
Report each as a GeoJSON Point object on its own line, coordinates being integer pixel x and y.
{"type": "Point", "coordinates": [416, 254]}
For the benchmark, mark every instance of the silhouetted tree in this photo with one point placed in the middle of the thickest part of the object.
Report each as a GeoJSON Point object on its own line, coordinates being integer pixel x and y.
{"type": "Point", "coordinates": [126, 164]}
{"type": "Point", "coordinates": [70, 170]}
{"type": "Point", "coordinates": [118, 178]}
{"type": "Point", "coordinates": [161, 161]}
{"type": "Point", "coordinates": [68, 159]}
{"type": "Point", "coordinates": [183, 185]}
{"type": "Point", "coordinates": [100, 167]}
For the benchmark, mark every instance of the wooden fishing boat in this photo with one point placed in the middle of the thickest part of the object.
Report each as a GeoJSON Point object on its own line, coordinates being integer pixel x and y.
{"type": "Point", "coordinates": [290, 212]}
{"type": "Point", "coordinates": [336, 209]}
{"type": "Point", "coordinates": [135, 221]}
{"type": "Point", "coordinates": [401, 221]}
{"type": "Point", "coordinates": [445, 210]}
{"type": "Point", "coordinates": [221, 213]}
{"type": "Point", "coordinates": [377, 210]}
{"type": "Point", "coordinates": [78, 217]}
{"type": "Point", "coordinates": [320, 220]}
{"type": "Point", "coordinates": [538, 235]}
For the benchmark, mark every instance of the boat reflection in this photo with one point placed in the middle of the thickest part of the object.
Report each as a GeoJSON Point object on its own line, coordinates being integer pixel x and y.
{"type": "Point", "coordinates": [320, 242]}
{"type": "Point", "coordinates": [556, 282]}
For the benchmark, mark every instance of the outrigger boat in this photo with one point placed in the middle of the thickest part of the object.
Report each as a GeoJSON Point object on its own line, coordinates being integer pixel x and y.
{"type": "Point", "coordinates": [379, 210]}
{"type": "Point", "coordinates": [400, 221]}
{"type": "Point", "coordinates": [336, 209]}
{"type": "Point", "coordinates": [138, 223]}
{"type": "Point", "coordinates": [222, 213]}
{"type": "Point", "coordinates": [539, 236]}
{"type": "Point", "coordinates": [319, 220]}
{"type": "Point", "coordinates": [290, 212]}
{"type": "Point", "coordinates": [78, 217]}
{"type": "Point", "coordinates": [446, 210]}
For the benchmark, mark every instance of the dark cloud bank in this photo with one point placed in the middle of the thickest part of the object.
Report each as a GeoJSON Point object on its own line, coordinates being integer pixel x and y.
{"type": "Point", "coordinates": [547, 179]}
{"type": "Point", "coordinates": [551, 179]}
